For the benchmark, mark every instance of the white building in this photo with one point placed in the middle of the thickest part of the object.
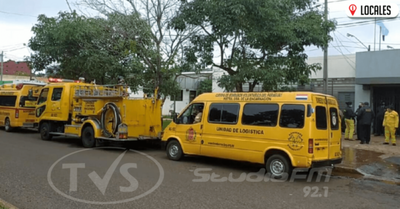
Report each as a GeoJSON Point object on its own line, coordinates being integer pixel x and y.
{"type": "Point", "coordinates": [189, 83]}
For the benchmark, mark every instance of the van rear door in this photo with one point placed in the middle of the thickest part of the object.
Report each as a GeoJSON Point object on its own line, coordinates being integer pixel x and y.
{"type": "Point", "coordinates": [320, 131]}
{"type": "Point", "coordinates": [335, 134]}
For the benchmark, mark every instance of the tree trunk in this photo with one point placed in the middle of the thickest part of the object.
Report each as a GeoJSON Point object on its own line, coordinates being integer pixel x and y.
{"type": "Point", "coordinates": [239, 87]}
{"type": "Point", "coordinates": [252, 85]}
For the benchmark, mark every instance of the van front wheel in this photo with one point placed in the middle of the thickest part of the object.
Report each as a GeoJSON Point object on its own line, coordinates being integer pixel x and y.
{"type": "Point", "coordinates": [278, 166]}
{"type": "Point", "coordinates": [174, 150]}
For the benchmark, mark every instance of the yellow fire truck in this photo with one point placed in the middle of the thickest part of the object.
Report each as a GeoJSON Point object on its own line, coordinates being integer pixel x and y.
{"type": "Point", "coordinates": [17, 105]}
{"type": "Point", "coordinates": [96, 112]}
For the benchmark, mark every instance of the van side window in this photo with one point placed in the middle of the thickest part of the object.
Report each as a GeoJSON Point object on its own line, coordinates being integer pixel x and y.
{"type": "Point", "coordinates": [334, 118]}
{"type": "Point", "coordinates": [8, 101]}
{"type": "Point", "coordinates": [56, 94]}
{"type": "Point", "coordinates": [192, 114]}
{"type": "Point", "coordinates": [223, 113]}
{"type": "Point", "coordinates": [260, 114]}
{"type": "Point", "coordinates": [320, 118]}
{"type": "Point", "coordinates": [292, 116]}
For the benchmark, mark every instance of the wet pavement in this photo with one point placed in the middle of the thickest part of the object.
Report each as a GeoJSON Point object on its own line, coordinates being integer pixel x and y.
{"type": "Point", "coordinates": [374, 161]}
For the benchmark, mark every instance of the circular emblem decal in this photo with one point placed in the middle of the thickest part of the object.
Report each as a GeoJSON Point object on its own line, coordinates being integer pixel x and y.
{"type": "Point", "coordinates": [191, 134]}
{"type": "Point", "coordinates": [295, 141]}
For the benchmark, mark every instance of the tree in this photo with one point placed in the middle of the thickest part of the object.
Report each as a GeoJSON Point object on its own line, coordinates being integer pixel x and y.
{"type": "Point", "coordinates": [73, 46]}
{"type": "Point", "coordinates": [257, 41]}
{"type": "Point", "coordinates": [164, 67]}
{"type": "Point", "coordinates": [205, 86]}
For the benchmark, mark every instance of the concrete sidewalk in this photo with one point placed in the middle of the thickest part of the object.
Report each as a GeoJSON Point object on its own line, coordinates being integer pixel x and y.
{"type": "Point", "coordinates": [375, 161]}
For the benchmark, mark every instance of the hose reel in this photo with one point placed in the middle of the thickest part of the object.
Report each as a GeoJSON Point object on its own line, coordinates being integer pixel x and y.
{"type": "Point", "coordinates": [106, 118]}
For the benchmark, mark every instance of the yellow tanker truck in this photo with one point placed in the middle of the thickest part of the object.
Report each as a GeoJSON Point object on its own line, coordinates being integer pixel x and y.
{"type": "Point", "coordinates": [96, 112]}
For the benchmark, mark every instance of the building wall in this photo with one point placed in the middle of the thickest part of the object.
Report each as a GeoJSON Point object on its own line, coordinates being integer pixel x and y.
{"type": "Point", "coordinates": [188, 82]}
{"type": "Point", "coordinates": [362, 95]}
{"type": "Point", "coordinates": [339, 66]}
{"type": "Point", "coordinates": [378, 67]}
{"type": "Point", "coordinates": [12, 68]}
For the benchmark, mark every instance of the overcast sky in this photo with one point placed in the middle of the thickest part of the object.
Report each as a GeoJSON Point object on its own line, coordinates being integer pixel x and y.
{"type": "Point", "coordinates": [18, 16]}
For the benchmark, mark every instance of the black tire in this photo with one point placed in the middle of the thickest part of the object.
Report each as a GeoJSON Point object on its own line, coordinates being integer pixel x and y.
{"type": "Point", "coordinates": [278, 166]}
{"type": "Point", "coordinates": [45, 129]}
{"type": "Point", "coordinates": [174, 150]}
{"type": "Point", "coordinates": [88, 140]}
{"type": "Point", "coordinates": [7, 125]}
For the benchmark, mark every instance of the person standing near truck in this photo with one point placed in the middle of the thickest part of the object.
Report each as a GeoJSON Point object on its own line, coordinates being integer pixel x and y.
{"type": "Point", "coordinates": [349, 119]}
{"type": "Point", "coordinates": [358, 121]}
{"type": "Point", "coordinates": [391, 123]}
{"type": "Point", "coordinates": [365, 118]}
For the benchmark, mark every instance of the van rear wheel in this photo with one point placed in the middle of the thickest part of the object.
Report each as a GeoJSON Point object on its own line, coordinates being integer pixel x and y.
{"type": "Point", "coordinates": [278, 166]}
{"type": "Point", "coordinates": [7, 125]}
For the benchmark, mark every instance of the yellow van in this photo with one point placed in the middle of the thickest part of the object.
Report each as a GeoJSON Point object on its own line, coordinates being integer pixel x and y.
{"type": "Point", "coordinates": [281, 130]}
{"type": "Point", "coordinates": [17, 105]}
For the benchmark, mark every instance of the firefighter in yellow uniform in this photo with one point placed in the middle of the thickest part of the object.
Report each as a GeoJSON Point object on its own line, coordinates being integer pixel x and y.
{"type": "Point", "coordinates": [349, 119]}
{"type": "Point", "coordinates": [391, 123]}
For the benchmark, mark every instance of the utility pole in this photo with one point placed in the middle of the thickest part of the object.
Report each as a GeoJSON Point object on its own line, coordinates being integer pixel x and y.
{"type": "Point", "coordinates": [375, 35]}
{"type": "Point", "coordinates": [325, 69]}
{"type": "Point", "coordinates": [380, 34]}
{"type": "Point", "coordinates": [2, 57]}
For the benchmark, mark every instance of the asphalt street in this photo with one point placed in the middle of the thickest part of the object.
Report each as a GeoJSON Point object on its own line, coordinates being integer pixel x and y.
{"type": "Point", "coordinates": [62, 174]}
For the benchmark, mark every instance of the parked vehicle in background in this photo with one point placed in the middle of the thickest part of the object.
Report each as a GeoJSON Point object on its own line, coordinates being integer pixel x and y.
{"type": "Point", "coordinates": [96, 112]}
{"type": "Point", "coordinates": [17, 105]}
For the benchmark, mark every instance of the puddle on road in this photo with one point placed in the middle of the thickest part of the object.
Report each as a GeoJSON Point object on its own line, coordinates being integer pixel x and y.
{"type": "Point", "coordinates": [365, 163]}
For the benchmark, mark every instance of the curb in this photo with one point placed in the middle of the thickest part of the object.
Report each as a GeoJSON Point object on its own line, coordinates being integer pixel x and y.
{"type": "Point", "coordinates": [352, 172]}
{"type": "Point", "coordinates": [6, 204]}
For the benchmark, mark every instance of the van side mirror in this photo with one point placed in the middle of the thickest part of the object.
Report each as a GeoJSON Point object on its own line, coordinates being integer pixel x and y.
{"type": "Point", "coordinates": [175, 118]}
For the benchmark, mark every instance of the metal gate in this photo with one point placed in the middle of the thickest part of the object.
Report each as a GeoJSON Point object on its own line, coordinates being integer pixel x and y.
{"type": "Point", "coordinates": [388, 94]}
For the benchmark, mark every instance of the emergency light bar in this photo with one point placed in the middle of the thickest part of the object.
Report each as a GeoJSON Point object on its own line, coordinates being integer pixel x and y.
{"type": "Point", "coordinates": [60, 80]}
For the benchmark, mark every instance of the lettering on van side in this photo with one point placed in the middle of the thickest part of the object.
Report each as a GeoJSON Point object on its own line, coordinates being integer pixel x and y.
{"type": "Point", "coordinates": [222, 144]}
{"type": "Point", "coordinates": [5, 113]}
{"type": "Point", "coordinates": [6, 93]}
{"type": "Point", "coordinates": [295, 141]}
{"type": "Point", "coordinates": [320, 100]}
{"type": "Point", "coordinates": [331, 102]}
{"type": "Point", "coordinates": [248, 96]}
{"type": "Point", "coordinates": [240, 130]}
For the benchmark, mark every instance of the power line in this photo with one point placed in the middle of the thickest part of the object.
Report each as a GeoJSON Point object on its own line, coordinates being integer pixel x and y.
{"type": "Point", "coordinates": [14, 49]}
{"type": "Point", "coordinates": [11, 13]}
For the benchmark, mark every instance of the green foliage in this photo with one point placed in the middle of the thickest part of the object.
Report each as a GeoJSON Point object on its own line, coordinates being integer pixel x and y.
{"type": "Point", "coordinates": [258, 41]}
{"type": "Point", "coordinates": [100, 49]}
{"type": "Point", "coordinates": [205, 86]}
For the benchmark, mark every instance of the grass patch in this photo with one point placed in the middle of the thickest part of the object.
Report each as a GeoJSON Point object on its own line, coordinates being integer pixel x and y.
{"type": "Point", "coordinates": [165, 124]}
{"type": "Point", "coordinates": [2, 206]}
